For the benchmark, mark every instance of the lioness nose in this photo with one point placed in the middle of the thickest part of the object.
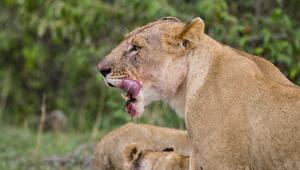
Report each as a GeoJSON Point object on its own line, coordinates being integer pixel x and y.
{"type": "Point", "coordinates": [104, 69]}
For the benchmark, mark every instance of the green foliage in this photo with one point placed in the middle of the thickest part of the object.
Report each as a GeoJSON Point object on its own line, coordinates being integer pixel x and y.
{"type": "Point", "coordinates": [51, 48]}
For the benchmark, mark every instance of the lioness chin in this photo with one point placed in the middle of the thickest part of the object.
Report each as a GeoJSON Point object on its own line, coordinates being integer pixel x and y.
{"type": "Point", "coordinates": [240, 111]}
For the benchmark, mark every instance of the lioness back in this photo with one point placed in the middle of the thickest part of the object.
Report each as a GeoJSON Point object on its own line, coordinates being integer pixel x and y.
{"type": "Point", "coordinates": [267, 68]}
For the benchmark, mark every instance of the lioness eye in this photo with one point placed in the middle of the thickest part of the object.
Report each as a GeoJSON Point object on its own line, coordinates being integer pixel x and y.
{"type": "Point", "coordinates": [134, 48]}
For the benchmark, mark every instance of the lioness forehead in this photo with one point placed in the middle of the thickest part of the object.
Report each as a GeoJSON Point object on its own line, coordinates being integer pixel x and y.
{"type": "Point", "coordinates": [163, 21]}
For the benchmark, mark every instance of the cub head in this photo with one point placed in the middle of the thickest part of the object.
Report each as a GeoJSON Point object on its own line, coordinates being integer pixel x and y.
{"type": "Point", "coordinates": [136, 159]}
{"type": "Point", "coordinates": [151, 62]}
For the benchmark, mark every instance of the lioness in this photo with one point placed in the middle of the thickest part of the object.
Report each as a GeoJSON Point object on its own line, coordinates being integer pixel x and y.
{"type": "Point", "coordinates": [108, 154]}
{"type": "Point", "coordinates": [240, 111]}
{"type": "Point", "coordinates": [137, 159]}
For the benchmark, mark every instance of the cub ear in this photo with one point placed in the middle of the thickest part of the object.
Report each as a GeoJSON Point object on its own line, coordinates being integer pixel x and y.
{"type": "Point", "coordinates": [168, 149]}
{"type": "Point", "coordinates": [191, 33]}
{"type": "Point", "coordinates": [130, 152]}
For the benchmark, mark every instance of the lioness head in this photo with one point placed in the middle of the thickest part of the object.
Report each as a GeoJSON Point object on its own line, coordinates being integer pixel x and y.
{"type": "Point", "coordinates": [136, 159]}
{"type": "Point", "coordinates": [151, 62]}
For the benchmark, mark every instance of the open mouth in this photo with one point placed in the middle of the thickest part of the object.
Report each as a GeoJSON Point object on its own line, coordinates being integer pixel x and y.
{"type": "Point", "coordinates": [132, 87]}
{"type": "Point", "coordinates": [134, 99]}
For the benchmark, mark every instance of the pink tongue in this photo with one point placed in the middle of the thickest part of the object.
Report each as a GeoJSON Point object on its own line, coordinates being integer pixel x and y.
{"type": "Point", "coordinates": [132, 87]}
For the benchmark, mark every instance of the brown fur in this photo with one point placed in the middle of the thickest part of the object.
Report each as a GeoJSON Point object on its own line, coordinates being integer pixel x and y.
{"type": "Point", "coordinates": [136, 159]}
{"type": "Point", "coordinates": [108, 154]}
{"type": "Point", "coordinates": [240, 111]}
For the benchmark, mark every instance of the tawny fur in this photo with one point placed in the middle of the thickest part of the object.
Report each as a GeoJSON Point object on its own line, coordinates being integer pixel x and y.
{"type": "Point", "coordinates": [108, 154]}
{"type": "Point", "coordinates": [137, 159]}
{"type": "Point", "coordinates": [240, 111]}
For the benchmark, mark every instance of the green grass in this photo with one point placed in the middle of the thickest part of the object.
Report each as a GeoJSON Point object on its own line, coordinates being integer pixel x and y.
{"type": "Point", "coordinates": [18, 145]}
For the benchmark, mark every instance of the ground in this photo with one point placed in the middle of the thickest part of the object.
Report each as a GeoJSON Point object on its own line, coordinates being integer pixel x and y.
{"type": "Point", "coordinates": [62, 151]}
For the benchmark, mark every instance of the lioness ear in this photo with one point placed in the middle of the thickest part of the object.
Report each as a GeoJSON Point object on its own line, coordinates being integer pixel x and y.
{"type": "Point", "coordinates": [191, 33]}
{"type": "Point", "coordinates": [130, 152]}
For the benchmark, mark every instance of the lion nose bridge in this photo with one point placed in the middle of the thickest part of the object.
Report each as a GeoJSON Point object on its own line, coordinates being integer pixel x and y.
{"type": "Point", "coordinates": [104, 67]}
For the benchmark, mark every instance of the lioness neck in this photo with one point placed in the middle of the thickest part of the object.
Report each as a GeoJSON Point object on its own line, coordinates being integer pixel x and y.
{"type": "Point", "coordinates": [202, 58]}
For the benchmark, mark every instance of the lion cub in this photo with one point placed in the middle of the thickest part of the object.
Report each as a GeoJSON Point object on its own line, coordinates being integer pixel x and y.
{"type": "Point", "coordinates": [136, 159]}
{"type": "Point", "coordinates": [108, 154]}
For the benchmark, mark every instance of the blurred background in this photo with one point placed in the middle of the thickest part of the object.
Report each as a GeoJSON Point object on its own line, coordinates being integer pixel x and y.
{"type": "Point", "coordinates": [54, 105]}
